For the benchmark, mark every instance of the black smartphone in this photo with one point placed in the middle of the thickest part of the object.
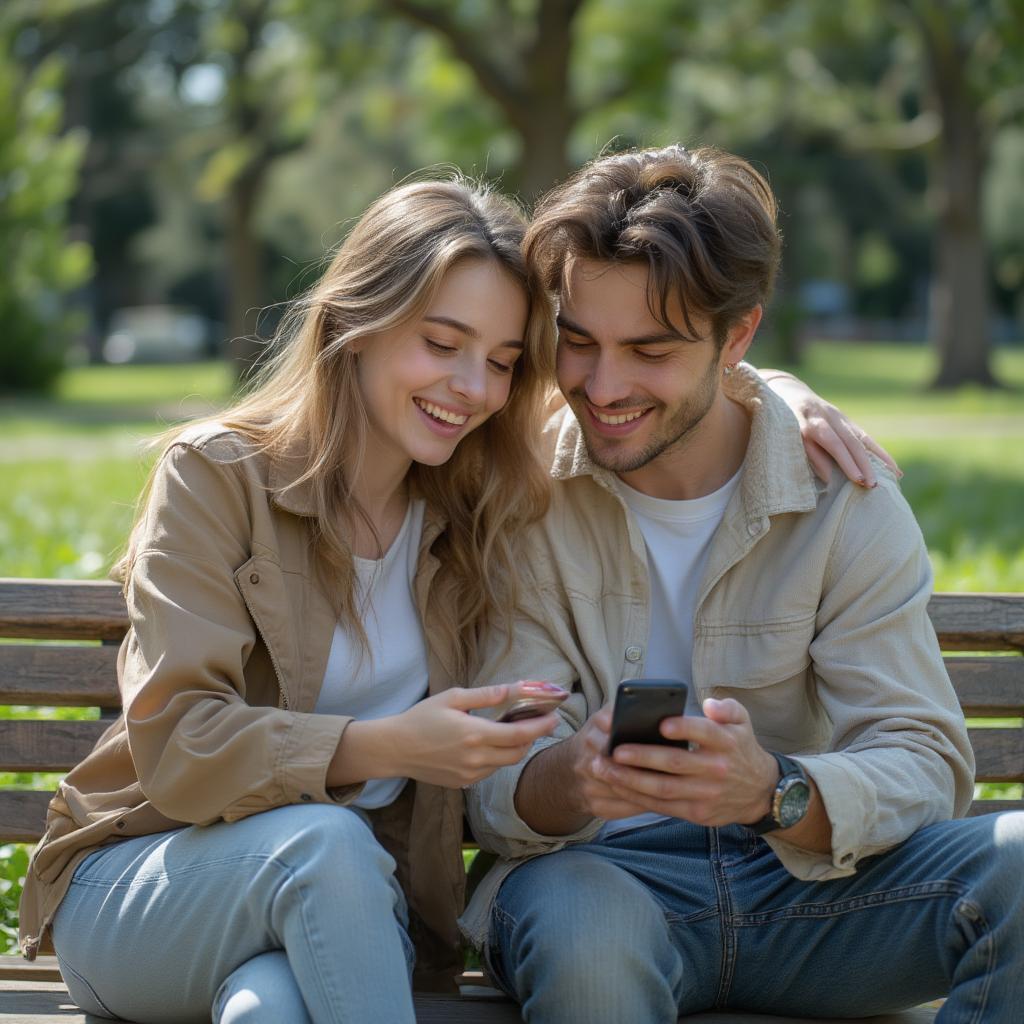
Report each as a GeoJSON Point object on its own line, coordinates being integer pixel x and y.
{"type": "Point", "coordinates": [640, 707]}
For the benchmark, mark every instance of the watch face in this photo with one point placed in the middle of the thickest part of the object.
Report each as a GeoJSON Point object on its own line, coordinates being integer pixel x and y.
{"type": "Point", "coordinates": [792, 804]}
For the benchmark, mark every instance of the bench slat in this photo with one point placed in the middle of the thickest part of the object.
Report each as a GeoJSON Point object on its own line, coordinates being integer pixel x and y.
{"type": "Point", "coordinates": [999, 754]}
{"type": "Point", "coordinates": [62, 609]}
{"type": "Point", "coordinates": [48, 746]}
{"type": "Point", "coordinates": [978, 622]}
{"type": "Point", "coordinates": [23, 814]}
{"type": "Point", "coordinates": [90, 609]}
{"type": "Point", "coordinates": [86, 677]}
{"type": "Point", "coordinates": [988, 687]}
{"type": "Point", "coordinates": [59, 676]}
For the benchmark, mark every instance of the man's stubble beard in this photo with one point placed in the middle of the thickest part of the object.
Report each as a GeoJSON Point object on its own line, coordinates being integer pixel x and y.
{"type": "Point", "coordinates": [677, 433]}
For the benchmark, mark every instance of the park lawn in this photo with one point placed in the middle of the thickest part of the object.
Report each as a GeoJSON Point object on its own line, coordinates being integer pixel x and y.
{"type": "Point", "coordinates": [73, 465]}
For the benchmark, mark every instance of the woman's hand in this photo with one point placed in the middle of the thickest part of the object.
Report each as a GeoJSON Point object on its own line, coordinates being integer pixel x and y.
{"type": "Point", "coordinates": [437, 741]}
{"type": "Point", "coordinates": [828, 434]}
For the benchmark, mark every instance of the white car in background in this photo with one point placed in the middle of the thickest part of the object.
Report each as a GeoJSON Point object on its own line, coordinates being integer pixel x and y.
{"type": "Point", "coordinates": [156, 334]}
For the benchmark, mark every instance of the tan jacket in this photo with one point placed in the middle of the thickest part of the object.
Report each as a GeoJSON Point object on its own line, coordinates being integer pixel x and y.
{"type": "Point", "coordinates": [219, 676]}
{"type": "Point", "coordinates": [812, 613]}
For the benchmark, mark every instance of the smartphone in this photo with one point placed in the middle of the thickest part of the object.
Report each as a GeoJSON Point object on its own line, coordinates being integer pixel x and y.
{"type": "Point", "coordinates": [640, 707]}
{"type": "Point", "coordinates": [528, 701]}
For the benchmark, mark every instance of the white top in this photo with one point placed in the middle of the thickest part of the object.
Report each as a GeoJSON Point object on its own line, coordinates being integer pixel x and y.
{"type": "Point", "coordinates": [677, 535]}
{"type": "Point", "coordinates": [391, 675]}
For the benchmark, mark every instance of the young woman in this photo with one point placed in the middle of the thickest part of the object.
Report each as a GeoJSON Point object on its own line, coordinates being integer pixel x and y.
{"type": "Point", "coordinates": [271, 830]}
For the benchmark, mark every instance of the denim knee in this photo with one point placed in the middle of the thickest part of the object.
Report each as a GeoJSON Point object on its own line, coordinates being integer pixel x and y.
{"type": "Point", "coordinates": [323, 846]}
{"type": "Point", "coordinates": [262, 990]}
{"type": "Point", "coordinates": [579, 939]}
{"type": "Point", "coordinates": [336, 839]}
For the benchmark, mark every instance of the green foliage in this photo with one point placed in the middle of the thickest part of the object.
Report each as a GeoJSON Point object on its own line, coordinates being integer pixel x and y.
{"type": "Point", "coordinates": [38, 175]}
{"type": "Point", "coordinates": [13, 865]}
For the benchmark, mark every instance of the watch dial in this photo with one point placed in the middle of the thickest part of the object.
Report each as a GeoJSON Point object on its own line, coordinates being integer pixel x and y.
{"type": "Point", "coordinates": [793, 805]}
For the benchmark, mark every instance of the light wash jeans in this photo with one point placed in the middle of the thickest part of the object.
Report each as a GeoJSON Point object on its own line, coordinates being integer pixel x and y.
{"type": "Point", "coordinates": [676, 918]}
{"type": "Point", "coordinates": [285, 917]}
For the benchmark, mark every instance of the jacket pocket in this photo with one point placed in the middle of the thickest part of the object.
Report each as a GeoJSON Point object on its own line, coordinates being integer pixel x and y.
{"type": "Point", "coordinates": [752, 654]}
{"type": "Point", "coordinates": [767, 668]}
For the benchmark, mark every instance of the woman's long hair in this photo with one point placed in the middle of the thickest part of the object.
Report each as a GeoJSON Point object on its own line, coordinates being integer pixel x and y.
{"type": "Point", "coordinates": [307, 398]}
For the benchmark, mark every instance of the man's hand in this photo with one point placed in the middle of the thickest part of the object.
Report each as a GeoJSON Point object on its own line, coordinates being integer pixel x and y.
{"type": "Point", "coordinates": [728, 780]}
{"type": "Point", "coordinates": [594, 795]}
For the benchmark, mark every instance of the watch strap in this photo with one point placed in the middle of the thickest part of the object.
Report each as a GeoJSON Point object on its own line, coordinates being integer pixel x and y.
{"type": "Point", "coordinates": [788, 769]}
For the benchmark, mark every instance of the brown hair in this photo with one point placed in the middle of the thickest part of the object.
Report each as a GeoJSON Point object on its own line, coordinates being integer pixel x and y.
{"type": "Point", "coordinates": [703, 220]}
{"type": "Point", "coordinates": [307, 398]}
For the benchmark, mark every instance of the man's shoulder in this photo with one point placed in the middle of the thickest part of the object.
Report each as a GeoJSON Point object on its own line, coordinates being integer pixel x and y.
{"type": "Point", "coordinates": [872, 526]}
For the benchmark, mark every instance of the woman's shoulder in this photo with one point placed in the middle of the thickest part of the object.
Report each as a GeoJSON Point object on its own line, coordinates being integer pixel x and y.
{"type": "Point", "coordinates": [216, 441]}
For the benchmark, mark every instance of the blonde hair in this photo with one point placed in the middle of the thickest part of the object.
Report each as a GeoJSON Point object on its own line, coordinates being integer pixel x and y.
{"type": "Point", "coordinates": [385, 274]}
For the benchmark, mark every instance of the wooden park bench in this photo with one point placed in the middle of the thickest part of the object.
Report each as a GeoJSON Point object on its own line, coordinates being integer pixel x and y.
{"type": "Point", "coordinates": [82, 674]}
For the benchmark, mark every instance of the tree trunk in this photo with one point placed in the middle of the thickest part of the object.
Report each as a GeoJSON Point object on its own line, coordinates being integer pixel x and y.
{"type": "Point", "coordinates": [544, 159]}
{"type": "Point", "coordinates": [247, 289]}
{"type": "Point", "coordinates": [545, 123]}
{"type": "Point", "coordinates": [960, 298]}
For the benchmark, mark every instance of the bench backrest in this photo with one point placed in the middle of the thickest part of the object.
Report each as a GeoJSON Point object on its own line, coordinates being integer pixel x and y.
{"type": "Point", "coordinates": [52, 672]}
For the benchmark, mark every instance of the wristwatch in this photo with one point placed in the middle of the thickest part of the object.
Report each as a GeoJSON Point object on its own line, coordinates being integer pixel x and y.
{"type": "Point", "coordinates": [790, 799]}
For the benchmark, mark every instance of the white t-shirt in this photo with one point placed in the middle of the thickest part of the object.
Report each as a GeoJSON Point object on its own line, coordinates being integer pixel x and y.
{"type": "Point", "coordinates": [677, 535]}
{"type": "Point", "coordinates": [391, 675]}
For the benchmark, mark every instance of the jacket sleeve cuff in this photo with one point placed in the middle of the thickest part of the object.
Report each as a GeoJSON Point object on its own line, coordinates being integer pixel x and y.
{"type": "Point", "coordinates": [849, 803]}
{"type": "Point", "coordinates": [500, 826]}
{"type": "Point", "coordinates": [306, 757]}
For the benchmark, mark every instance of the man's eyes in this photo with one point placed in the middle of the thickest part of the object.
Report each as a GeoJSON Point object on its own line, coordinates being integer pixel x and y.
{"type": "Point", "coordinates": [573, 343]}
{"type": "Point", "coordinates": [641, 352]}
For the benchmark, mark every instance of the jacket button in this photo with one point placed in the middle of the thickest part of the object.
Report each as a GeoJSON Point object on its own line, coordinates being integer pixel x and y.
{"type": "Point", "coordinates": [305, 797]}
{"type": "Point", "coordinates": [754, 529]}
{"type": "Point", "coordinates": [634, 653]}
{"type": "Point", "coordinates": [120, 824]}
{"type": "Point", "coordinates": [254, 577]}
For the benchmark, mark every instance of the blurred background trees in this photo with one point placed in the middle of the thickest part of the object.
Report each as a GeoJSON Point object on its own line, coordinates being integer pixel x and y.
{"type": "Point", "coordinates": [209, 151]}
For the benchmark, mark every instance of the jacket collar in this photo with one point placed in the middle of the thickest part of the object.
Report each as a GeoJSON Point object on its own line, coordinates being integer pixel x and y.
{"type": "Point", "coordinates": [776, 476]}
{"type": "Point", "coordinates": [286, 490]}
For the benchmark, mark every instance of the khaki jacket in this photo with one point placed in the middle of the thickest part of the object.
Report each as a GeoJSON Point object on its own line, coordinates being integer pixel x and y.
{"type": "Point", "coordinates": [219, 674]}
{"type": "Point", "coordinates": [812, 613]}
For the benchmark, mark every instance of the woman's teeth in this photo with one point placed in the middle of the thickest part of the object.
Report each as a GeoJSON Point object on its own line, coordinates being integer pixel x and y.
{"type": "Point", "coordinates": [441, 414]}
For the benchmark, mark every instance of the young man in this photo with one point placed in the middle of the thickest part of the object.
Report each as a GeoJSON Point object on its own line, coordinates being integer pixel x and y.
{"type": "Point", "coordinates": [800, 857]}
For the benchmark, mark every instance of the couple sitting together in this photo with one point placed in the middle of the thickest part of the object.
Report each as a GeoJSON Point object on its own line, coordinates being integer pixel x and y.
{"type": "Point", "coordinates": [336, 587]}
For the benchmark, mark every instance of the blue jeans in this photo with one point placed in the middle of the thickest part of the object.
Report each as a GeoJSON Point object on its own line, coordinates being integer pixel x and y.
{"type": "Point", "coordinates": [291, 915]}
{"type": "Point", "coordinates": [676, 918]}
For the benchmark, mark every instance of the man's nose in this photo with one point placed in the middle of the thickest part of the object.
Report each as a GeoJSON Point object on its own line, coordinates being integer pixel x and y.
{"type": "Point", "coordinates": [606, 383]}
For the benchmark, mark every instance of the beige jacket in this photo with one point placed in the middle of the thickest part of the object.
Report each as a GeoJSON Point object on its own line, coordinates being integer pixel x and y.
{"type": "Point", "coordinates": [812, 613]}
{"type": "Point", "coordinates": [219, 676]}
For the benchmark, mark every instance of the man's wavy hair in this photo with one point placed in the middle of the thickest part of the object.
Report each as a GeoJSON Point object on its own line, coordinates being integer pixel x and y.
{"type": "Point", "coordinates": [702, 220]}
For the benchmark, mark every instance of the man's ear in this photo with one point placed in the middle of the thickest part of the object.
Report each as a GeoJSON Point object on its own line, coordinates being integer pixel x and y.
{"type": "Point", "coordinates": [741, 334]}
